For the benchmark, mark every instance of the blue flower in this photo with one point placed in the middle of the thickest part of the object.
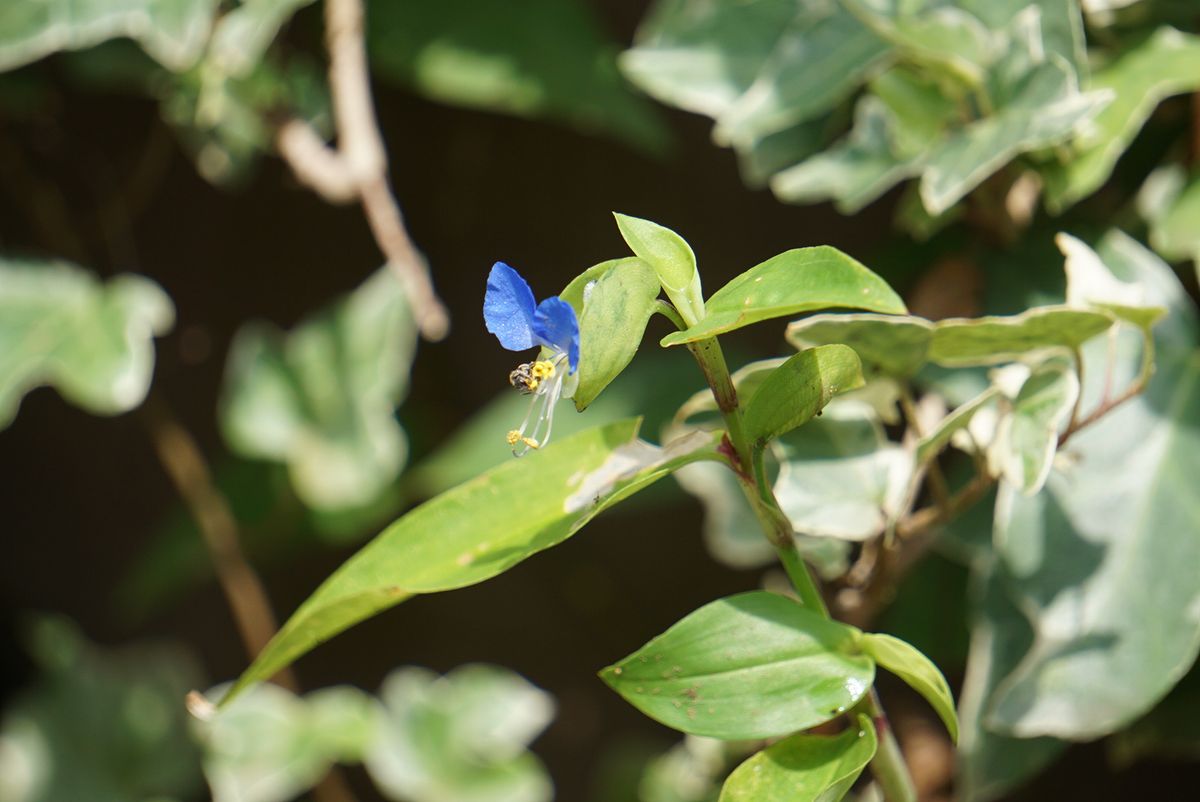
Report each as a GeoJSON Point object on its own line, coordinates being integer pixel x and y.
{"type": "Point", "coordinates": [510, 312]}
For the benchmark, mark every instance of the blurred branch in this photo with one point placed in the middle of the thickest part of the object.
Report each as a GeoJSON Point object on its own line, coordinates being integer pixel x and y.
{"type": "Point", "coordinates": [357, 169]}
{"type": "Point", "coordinates": [188, 471]}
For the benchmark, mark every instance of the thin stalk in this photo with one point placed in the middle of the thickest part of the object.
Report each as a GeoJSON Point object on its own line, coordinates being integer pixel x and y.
{"type": "Point", "coordinates": [888, 766]}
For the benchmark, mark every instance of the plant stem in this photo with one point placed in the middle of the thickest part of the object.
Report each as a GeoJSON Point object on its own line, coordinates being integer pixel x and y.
{"type": "Point", "coordinates": [888, 766]}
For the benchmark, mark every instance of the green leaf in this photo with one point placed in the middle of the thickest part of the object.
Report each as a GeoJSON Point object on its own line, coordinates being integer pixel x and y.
{"type": "Point", "coordinates": [1090, 284]}
{"type": "Point", "coordinates": [1174, 235]}
{"type": "Point", "coordinates": [1165, 64]}
{"type": "Point", "coordinates": [1102, 560]}
{"type": "Point", "coordinates": [839, 475]}
{"type": "Point", "coordinates": [931, 444]}
{"type": "Point", "coordinates": [466, 535]}
{"type": "Point", "coordinates": [897, 345]}
{"type": "Point", "coordinates": [93, 341]}
{"type": "Point", "coordinates": [173, 32]}
{"type": "Point", "coordinates": [1045, 110]}
{"type": "Point", "coordinates": [907, 662]}
{"type": "Point", "coordinates": [548, 59]}
{"type": "Point", "coordinates": [1027, 437]}
{"type": "Point", "coordinates": [241, 36]}
{"type": "Point", "coordinates": [672, 260]}
{"type": "Point", "coordinates": [944, 37]}
{"type": "Point", "coordinates": [322, 398]}
{"type": "Point", "coordinates": [795, 281]}
{"type": "Point", "coordinates": [1170, 731]}
{"type": "Point", "coordinates": [754, 665]}
{"type": "Point", "coordinates": [460, 737]}
{"type": "Point", "coordinates": [799, 388]}
{"type": "Point", "coordinates": [804, 768]}
{"type": "Point", "coordinates": [611, 326]}
{"type": "Point", "coordinates": [959, 342]}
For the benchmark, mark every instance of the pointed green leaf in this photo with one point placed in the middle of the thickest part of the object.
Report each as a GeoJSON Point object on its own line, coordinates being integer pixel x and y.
{"type": "Point", "coordinates": [795, 281]}
{"type": "Point", "coordinates": [613, 320]}
{"type": "Point", "coordinates": [1165, 64]}
{"type": "Point", "coordinates": [1027, 437]}
{"type": "Point", "coordinates": [322, 398]}
{"type": "Point", "coordinates": [754, 665]}
{"type": "Point", "coordinates": [93, 341]}
{"type": "Point", "coordinates": [470, 533]}
{"type": "Point", "coordinates": [672, 260]}
{"type": "Point", "coordinates": [897, 345]}
{"type": "Point", "coordinates": [1090, 284]}
{"type": "Point", "coordinates": [799, 388]}
{"type": "Point", "coordinates": [958, 342]}
{"type": "Point", "coordinates": [804, 768]}
{"type": "Point", "coordinates": [909, 664]}
{"type": "Point", "coordinates": [173, 32]}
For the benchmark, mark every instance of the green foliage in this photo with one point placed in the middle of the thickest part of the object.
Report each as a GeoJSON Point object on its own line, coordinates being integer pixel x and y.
{"type": "Point", "coordinates": [456, 539]}
{"type": "Point", "coordinates": [1027, 437]}
{"type": "Point", "coordinates": [993, 340]}
{"type": "Point", "coordinates": [538, 59]}
{"type": "Point", "coordinates": [103, 726]}
{"type": "Point", "coordinates": [804, 768]}
{"type": "Point", "coordinates": [172, 31]}
{"type": "Point", "coordinates": [796, 281]}
{"type": "Point", "coordinates": [672, 260]}
{"type": "Point", "coordinates": [797, 390]}
{"type": "Point", "coordinates": [322, 398]}
{"type": "Point", "coordinates": [91, 340]}
{"type": "Point", "coordinates": [755, 665]}
{"type": "Point", "coordinates": [895, 345]}
{"type": "Point", "coordinates": [907, 662]}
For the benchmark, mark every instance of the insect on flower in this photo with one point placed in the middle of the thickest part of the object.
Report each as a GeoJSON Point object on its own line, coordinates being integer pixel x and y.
{"type": "Point", "coordinates": [520, 323]}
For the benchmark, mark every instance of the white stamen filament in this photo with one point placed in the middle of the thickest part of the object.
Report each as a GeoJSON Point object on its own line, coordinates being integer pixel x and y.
{"type": "Point", "coordinates": [541, 411]}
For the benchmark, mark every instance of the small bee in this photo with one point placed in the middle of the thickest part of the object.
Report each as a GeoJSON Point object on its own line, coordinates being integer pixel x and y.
{"type": "Point", "coordinates": [522, 378]}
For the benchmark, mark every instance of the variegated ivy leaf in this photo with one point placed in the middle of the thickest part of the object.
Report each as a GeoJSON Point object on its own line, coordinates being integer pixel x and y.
{"type": "Point", "coordinates": [322, 398]}
{"type": "Point", "coordinates": [91, 340]}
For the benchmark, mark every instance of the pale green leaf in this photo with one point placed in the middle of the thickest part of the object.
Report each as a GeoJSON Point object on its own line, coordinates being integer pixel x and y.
{"type": "Point", "coordinates": [799, 388]}
{"type": "Point", "coordinates": [795, 281]}
{"type": "Point", "coordinates": [942, 36]}
{"type": "Point", "coordinates": [932, 443]}
{"type": "Point", "coordinates": [242, 35]}
{"type": "Point", "coordinates": [1027, 436]}
{"type": "Point", "coordinates": [173, 32]}
{"type": "Point", "coordinates": [1165, 64]}
{"type": "Point", "coordinates": [611, 325]}
{"type": "Point", "coordinates": [91, 340]}
{"type": "Point", "coordinates": [322, 398]}
{"type": "Point", "coordinates": [1091, 284]}
{"type": "Point", "coordinates": [804, 768]}
{"type": "Point", "coordinates": [897, 345]}
{"type": "Point", "coordinates": [1170, 731]}
{"type": "Point", "coordinates": [672, 260]}
{"type": "Point", "coordinates": [960, 342]}
{"type": "Point", "coordinates": [1176, 234]}
{"type": "Point", "coordinates": [1102, 560]}
{"type": "Point", "coordinates": [460, 737]}
{"type": "Point", "coordinates": [839, 475]}
{"type": "Point", "coordinates": [536, 59]}
{"type": "Point", "coordinates": [907, 662]}
{"type": "Point", "coordinates": [755, 665]}
{"type": "Point", "coordinates": [464, 536]}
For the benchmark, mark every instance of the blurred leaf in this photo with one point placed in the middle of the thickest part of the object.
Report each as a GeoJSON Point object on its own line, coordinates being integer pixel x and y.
{"type": "Point", "coordinates": [732, 533]}
{"type": "Point", "coordinates": [804, 768]}
{"type": "Point", "coordinates": [322, 398]}
{"type": "Point", "coordinates": [1027, 437]}
{"type": "Point", "coordinates": [242, 35]}
{"type": "Point", "coordinates": [906, 661]}
{"type": "Point", "coordinates": [839, 475]}
{"type": "Point", "coordinates": [539, 58]}
{"type": "Point", "coordinates": [1045, 109]}
{"type": "Point", "coordinates": [1100, 560]}
{"type": "Point", "coordinates": [938, 35]}
{"type": "Point", "coordinates": [174, 32]}
{"type": "Point", "coordinates": [992, 340]}
{"type": "Point", "coordinates": [1091, 284]}
{"type": "Point", "coordinates": [100, 726]}
{"type": "Point", "coordinates": [933, 442]}
{"type": "Point", "coordinates": [460, 738]}
{"type": "Point", "coordinates": [1176, 233]}
{"type": "Point", "coordinates": [796, 391]}
{"type": "Point", "coordinates": [795, 281]}
{"type": "Point", "coordinates": [464, 536]}
{"type": "Point", "coordinates": [754, 665]}
{"type": "Point", "coordinates": [897, 345]}
{"type": "Point", "coordinates": [92, 340]}
{"type": "Point", "coordinates": [271, 745]}
{"type": "Point", "coordinates": [614, 318]}
{"type": "Point", "coordinates": [1170, 731]}
{"type": "Point", "coordinates": [1165, 64]}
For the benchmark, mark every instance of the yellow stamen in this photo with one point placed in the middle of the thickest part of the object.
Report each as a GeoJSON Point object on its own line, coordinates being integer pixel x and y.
{"type": "Point", "coordinates": [543, 369]}
{"type": "Point", "coordinates": [513, 437]}
{"type": "Point", "coordinates": [529, 441]}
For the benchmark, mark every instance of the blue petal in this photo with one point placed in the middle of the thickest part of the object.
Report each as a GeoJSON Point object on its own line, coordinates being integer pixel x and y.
{"type": "Point", "coordinates": [555, 326]}
{"type": "Point", "coordinates": [508, 308]}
